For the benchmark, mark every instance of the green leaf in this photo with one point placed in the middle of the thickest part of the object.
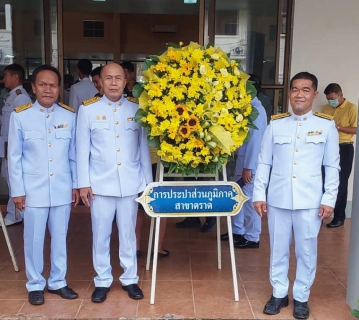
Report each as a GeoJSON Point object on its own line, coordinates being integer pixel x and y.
{"type": "Point", "coordinates": [173, 45]}
{"type": "Point", "coordinates": [355, 313]}
{"type": "Point", "coordinates": [154, 58]}
{"type": "Point", "coordinates": [137, 90]}
{"type": "Point", "coordinates": [147, 64]}
{"type": "Point", "coordinates": [254, 115]}
{"type": "Point", "coordinates": [173, 167]}
{"type": "Point", "coordinates": [138, 117]}
{"type": "Point", "coordinates": [252, 126]}
{"type": "Point", "coordinates": [228, 54]}
{"type": "Point", "coordinates": [247, 137]}
{"type": "Point", "coordinates": [251, 89]}
{"type": "Point", "coordinates": [210, 44]}
{"type": "Point", "coordinates": [153, 141]}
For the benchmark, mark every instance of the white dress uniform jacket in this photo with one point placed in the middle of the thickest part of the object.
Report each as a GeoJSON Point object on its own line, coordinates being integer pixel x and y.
{"type": "Point", "coordinates": [293, 150]}
{"type": "Point", "coordinates": [16, 97]}
{"type": "Point", "coordinates": [112, 150]}
{"type": "Point", "coordinates": [42, 155]}
{"type": "Point", "coordinates": [81, 91]}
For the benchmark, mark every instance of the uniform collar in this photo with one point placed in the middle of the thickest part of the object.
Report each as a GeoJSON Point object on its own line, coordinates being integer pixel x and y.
{"type": "Point", "coordinates": [42, 109]}
{"type": "Point", "coordinates": [111, 103]}
{"type": "Point", "coordinates": [303, 117]}
{"type": "Point", "coordinates": [85, 79]}
{"type": "Point", "coordinates": [13, 90]}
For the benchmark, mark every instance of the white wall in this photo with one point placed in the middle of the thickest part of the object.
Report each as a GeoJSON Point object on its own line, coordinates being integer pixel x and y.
{"type": "Point", "coordinates": [326, 43]}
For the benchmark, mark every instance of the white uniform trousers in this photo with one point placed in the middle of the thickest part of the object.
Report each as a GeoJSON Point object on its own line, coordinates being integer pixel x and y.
{"type": "Point", "coordinates": [281, 224]}
{"type": "Point", "coordinates": [10, 204]}
{"type": "Point", "coordinates": [247, 222]}
{"type": "Point", "coordinates": [35, 220]}
{"type": "Point", "coordinates": [103, 211]}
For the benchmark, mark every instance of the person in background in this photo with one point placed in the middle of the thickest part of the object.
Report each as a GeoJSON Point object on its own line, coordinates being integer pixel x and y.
{"type": "Point", "coordinates": [113, 166]}
{"type": "Point", "coordinates": [68, 82]}
{"type": "Point", "coordinates": [13, 79]}
{"type": "Point", "coordinates": [345, 116]}
{"type": "Point", "coordinates": [130, 75]}
{"type": "Point", "coordinates": [43, 179]}
{"type": "Point", "coordinates": [95, 76]}
{"type": "Point", "coordinates": [84, 89]}
{"type": "Point", "coordinates": [294, 149]}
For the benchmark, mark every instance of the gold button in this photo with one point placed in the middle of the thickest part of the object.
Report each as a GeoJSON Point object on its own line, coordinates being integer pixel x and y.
{"type": "Point", "coordinates": [295, 163]}
{"type": "Point", "coordinates": [47, 116]}
{"type": "Point", "coordinates": [116, 122]}
{"type": "Point", "coordinates": [295, 118]}
{"type": "Point", "coordinates": [109, 103]}
{"type": "Point", "coordinates": [298, 137]}
{"type": "Point", "coordinates": [51, 159]}
{"type": "Point", "coordinates": [51, 174]}
{"type": "Point", "coordinates": [297, 150]}
{"type": "Point", "coordinates": [48, 131]}
{"type": "Point", "coordinates": [114, 110]}
{"type": "Point", "coordinates": [305, 118]}
{"type": "Point", "coordinates": [50, 145]}
{"type": "Point", "coordinates": [120, 103]}
{"type": "Point", "coordinates": [119, 163]}
{"type": "Point", "coordinates": [53, 109]}
{"type": "Point", "coordinates": [300, 124]}
{"type": "Point", "coordinates": [118, 149]}
{"type": "Point", "coordinates": [294, 177]}
{"type": "Point", "coordinates": [117, 135]}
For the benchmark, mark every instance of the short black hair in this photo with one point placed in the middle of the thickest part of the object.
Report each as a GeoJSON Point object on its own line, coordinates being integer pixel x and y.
{"type": "Point", "coordinates": [333, 88]}
{"type": "Point", "coordinates": [45, 67]}
{"type": "Point", "coordinates": [16, 69]}
{"type": "Point", "coordinates": [257, 83]}
{"type": "Point", "coordinates": [69, 78]}
{"type": "Point", "coordinates": [85, 66]}
{"type": "Point", "coordinates": [96, 72]}
{"type": "Point", "coordinates": [128, 65]}
{"type": "Point", "coordinates": [307, 76]}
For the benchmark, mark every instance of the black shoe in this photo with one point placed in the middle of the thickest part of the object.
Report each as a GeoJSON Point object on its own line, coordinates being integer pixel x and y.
{"type": "Point", "coordinates": [134, 291]}
{"type": "Point", "coordinates": [246, 244]}
{"type": "Point", "coordinates": [274, 305]}
{"type": "Point", "coordinates": [335, 224]}
{"type": "Point", "coordinates": [236, 237]}
{"type": "Point", "coordinates": [190, 222]}
{"type": "Point", "coordinates": [36, 297]}
{"type": "Point", "coordinates": [209, 224]}
{"type": "Point", "coordinates": [99, 295]}
{"type": "Point", "coordinates": [301, 310]}
{"type": "Point", "coordinates": [65, 293]}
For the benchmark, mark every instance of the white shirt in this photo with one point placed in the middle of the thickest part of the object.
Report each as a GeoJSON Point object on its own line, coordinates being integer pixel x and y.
{"type": "Point", "coordinates": [81, 91]}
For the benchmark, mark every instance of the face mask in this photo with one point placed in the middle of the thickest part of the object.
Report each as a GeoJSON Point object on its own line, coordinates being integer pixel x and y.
{"type": "Point", "coordinates": [333, 103]}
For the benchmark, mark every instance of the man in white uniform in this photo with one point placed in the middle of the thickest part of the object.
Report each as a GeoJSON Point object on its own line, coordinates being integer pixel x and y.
{"type": "Point", "coordinates": [294, 149]}
{"type": "Point", "coordinates": [13, 78]}
{"type": "Point", "coordinates": [113, 167]}
{"type": "Point", "coordinates": [42, 172]}
{"type": "Point", "coordinates": [84, 89]}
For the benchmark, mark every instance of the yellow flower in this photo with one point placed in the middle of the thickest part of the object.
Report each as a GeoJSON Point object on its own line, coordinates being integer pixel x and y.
{"type": "Point", "coordinates": [181, 109]}
{"type": "Point", "coordinates": [224, 72]}
{"type": "Point", "coordinates": [184, 131]}
{"type": "Point", "coordinates": [193, 122]}
{"type": "Point", "coordinates": [218, 96]}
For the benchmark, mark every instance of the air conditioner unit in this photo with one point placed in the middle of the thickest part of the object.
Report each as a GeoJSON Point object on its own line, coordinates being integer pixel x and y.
{"type": "Point", "coordinates": [158, 28]}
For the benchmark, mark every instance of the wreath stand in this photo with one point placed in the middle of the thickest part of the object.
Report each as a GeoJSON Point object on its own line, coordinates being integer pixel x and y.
{"type": "Point", "coordinates": [8, 242]}
{"type": "Point", "coordinates": [159, 178]}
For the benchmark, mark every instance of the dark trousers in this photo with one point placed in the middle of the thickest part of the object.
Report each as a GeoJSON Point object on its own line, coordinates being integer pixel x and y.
{"type": "Point", "coordinates": [346, 161]}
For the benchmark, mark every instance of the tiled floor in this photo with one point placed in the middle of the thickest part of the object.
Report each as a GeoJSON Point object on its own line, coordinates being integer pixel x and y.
{"type": "Point", "coordinates": [189, 284]}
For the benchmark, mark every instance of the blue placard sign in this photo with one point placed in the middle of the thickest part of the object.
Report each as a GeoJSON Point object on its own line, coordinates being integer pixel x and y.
{"type": "Point", "coordinates": [205, 198]}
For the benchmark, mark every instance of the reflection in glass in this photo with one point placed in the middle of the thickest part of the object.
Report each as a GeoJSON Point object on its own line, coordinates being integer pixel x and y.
{"type": "Point", "coordinates": [276, 97]}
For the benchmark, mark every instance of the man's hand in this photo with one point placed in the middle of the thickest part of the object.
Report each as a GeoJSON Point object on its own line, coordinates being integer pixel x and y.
{"type": "Point", "coordinates": [84, 194]}
{"type": "Point", "coordinates": [260, 207]}
{"type": "Point", "coordinates": [19, 202]}
{"type": "Point", "coordinates": [75, 197]}
{"type": "Point", "coordinates": [247, 175]}
{"type": "Point", "coordinates": [325, 211]}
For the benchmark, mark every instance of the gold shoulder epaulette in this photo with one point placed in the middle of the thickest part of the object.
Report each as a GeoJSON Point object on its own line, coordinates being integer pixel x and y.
{"type": "Point", "coordinates": [90, 101]}
{"type": "Point", "coordinates": [62, 105]}
{"type": "Point", "coordinates": [280, 116]}
{"type": "Point", "coordinates": [323, 115]}
{"type": "Point", "coordinates": [23, 107]}
{"type": "Point", "coordinates": [18, 91]}
{"type": "Point", "coordinates": [132, 99]}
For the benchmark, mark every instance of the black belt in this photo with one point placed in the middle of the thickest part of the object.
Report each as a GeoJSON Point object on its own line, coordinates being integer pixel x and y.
{"type": "Point", "coordinates": [343, 143]}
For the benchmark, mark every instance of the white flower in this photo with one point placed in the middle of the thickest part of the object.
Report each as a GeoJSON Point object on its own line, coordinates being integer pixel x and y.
{"type": "Point", "coordinates": [236, 72]}
{"type": "Point", "coordinates": [215, 83]}
{"type": "Point", "coordinates": [202, 69]}
{"type": "Point", "coordinates": [209, 80]}
{"type": "Point", "coordinates": [215, 56]}
{"type": "Point", "coordinates": [218, 96]}
{"type": "Point", "coordinates": [224, 112]}
{"type": "Point", "coordinates": [227, 84]}
{"type": "Point", "coordinates": [224, 72]}
{"type": "Point", "coordinates": [229, 105]}
{"type": "Point", "coordinates": [239, 118]}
